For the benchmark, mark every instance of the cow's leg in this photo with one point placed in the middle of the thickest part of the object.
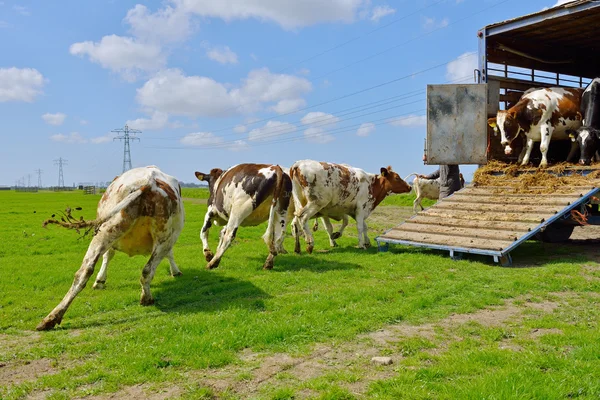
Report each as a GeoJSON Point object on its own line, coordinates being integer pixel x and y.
{"type": "Point", "coordinates": [329, 228]}
{"type": "Point", "coordinates": [174, 269]}
{"type": "Point", "coordinates": [296, 235]}
{"type": "Point", "coordinates": [101, 277]}
{"type": "Point", "coordinates": [547, 131]}
{"type": "Point", "coordinates": [280, 228]}
{"type": "Point", "coordinates": [99, 245]}
{"type": "Point", "coordinates": [522, 154]}
{"type": "Point", "coordinates": [362, 234]}
{"type": "Point", "coordinates": [338, 234]}
{"type": "Point", "coordinates": [417, 204]}
{"type": "Point", "coordinates": [316, 224]}
{"type": "Point", "coordinates": [365, 236]}
{"type": "Point", "coordinates": [528, 148]}
{"type": "Point", "coordinates": [148, 274]}
{"type": "Point", "coordinates": [229, 232]}
{"type": "Point", "coordinates": [572, 157]}
{"type": "Point", "coordinates": [208, 255]}
{"type": "Point", "coordinates": [304, 215]}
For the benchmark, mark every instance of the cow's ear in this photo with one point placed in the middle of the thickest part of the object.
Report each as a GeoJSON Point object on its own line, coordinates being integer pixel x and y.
{"type": "Point", "coordinates": [384, 172]}
{"type": "Point", "coordinates": [572, 137]}
{"type": "Point", "coordinates": [201, 176]}
{"type": "Point", "coordinates": [492, 122]}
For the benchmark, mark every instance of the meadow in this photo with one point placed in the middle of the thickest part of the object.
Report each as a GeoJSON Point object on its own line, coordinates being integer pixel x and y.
{"type": "Point", "coordinates": [306, 329]}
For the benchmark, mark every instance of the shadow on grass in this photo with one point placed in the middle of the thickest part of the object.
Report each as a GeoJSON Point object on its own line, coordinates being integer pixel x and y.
{"type": "Point", "coordinates": [306, 262]}
{"type": "Point", "coordinates": [530, 254]}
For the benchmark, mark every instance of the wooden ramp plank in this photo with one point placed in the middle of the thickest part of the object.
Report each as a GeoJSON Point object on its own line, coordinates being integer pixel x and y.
{"type": "Point", "coordinates": [508, 191]}
{"type": "Point", "coordinates": [469, 215]}
{"type": "Point", "coordinates": [478, 233]}
{"type": "Point", "coordinates": [491, 208]}
{"type": "Point", "coordinates": [445, 240]}
{"type": "Point", "coordinates": [522, 227]}
{"type": "Point", "coordinates": [518, 199]}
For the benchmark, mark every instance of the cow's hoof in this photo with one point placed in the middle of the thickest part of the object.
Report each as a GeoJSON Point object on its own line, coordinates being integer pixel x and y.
{"type": "Point", "coordinates": [213, 264]}
{"type": "Point", "coordinates": [336, 235]}
{"type": "Point", "coordinates": [146, 301]}
{"type": "Point", "coordinates": [178, 273]}
{"type": "Point", "coordinates": [309, 248]}
{"type": "Point", "coordinates": [48, 323]}
{"type": "Point", "coordinates": [315, 228]}
{"type": "Point", "coordinates": [282, 251]}
{"type": "Point", "coordinates": [208, 255]}
{"type": "Point", "coordinates": [98, 285]}
{"type": "Point", "coordinates": [367, 245]}
{"type": "Point", "coordinates": [333, 244]}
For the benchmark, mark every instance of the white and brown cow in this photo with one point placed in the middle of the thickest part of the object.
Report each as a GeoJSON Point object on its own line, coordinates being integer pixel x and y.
{"type": "Point", "coordinates": [246, 195]}
{"type": "Point", "coordinates": [336, 190]}
{"type": "Point", "coordinates": [141, 213]}
{"type": "Point", "coordinates": [588, 136]}
{"type": "Point", "coordinates": [427, 189]}
{"type": "Point", "coordinates": [541, 115]}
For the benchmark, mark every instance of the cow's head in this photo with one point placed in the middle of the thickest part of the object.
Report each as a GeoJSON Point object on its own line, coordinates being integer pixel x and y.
{"type": "Point", "coordinates": [210, 178]}
{"type": "Point", "coordinates": [506, 123]}
{"type": "Point", "coordinates": [392, 181]}
{"type": "Point", "coordinates": [589, 142]}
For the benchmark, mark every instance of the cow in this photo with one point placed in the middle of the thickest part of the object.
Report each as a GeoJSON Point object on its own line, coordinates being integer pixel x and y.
{"type": "Point", "coordinates": [246, 195]}
{"type": "Point", "coordinates": [427, 189]}
{"type": "Point", "coordinates": [141, 213]}
{"type": "Point", "coordinates": [335, 190]}
{"type": "Point", "coordinates": [588, 136]}
{"type": "Point", "coordinates": [541, 115]}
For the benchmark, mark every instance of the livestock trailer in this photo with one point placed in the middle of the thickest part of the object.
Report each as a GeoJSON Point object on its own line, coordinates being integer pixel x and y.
{"type": "Point", "coordinates": [554, 47]}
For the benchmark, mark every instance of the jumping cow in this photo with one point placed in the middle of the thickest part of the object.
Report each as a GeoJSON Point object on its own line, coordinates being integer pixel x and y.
{"type": "Point", "coordinates": [335, 190]}
{"type": "Point", "coordinates": [588, 136]}
{"type": "Point", "coordinates": [141, 213]}
{"type": "Point", "coordinates": [427, 189]}
{"type": "Point", "coordinates": [246, 195]}
{"type": "Point", "coordinates": [541, 115]}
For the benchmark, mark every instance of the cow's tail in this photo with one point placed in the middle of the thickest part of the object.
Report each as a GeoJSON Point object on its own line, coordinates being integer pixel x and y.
{"type": "Point", "coordinates": [97, 223]}
{"type": "Point", "coordinates": [406, 180]}
{"type": "Point", "coordinates": [269, 236]}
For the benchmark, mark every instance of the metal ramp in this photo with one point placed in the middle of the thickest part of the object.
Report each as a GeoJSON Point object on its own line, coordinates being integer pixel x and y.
{"type": "Point", "coordinates": [486, 220]}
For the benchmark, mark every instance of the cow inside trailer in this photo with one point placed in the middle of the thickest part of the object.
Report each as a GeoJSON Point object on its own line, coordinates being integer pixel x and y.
{"type": "Point", "coordinates": [550, 48]}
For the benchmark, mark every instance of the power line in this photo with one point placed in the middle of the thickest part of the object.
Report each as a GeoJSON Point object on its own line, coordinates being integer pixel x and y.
{"type": "Point", "coordinates": [377, 54]}
{"type": "Point", "coordinates": [60, 162]}
{"type": "Point", "coordinates": [126, 138]}
{"type": "Point", "coordinates": [39, 174]}
{"type": "Point", "coordinates": [340, 45]}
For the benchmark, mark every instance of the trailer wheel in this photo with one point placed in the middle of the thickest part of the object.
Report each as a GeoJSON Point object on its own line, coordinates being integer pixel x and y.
{"type": "Point", "coordinates": [556, 233]}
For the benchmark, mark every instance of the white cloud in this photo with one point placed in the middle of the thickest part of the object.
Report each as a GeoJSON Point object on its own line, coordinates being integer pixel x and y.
{"type": "Point", "coordinates": [271, 130]}
{"type": "Point", "coordinates": [318, 135]}
{"type": "Point", "coordinates": [166, 25]}
{"type": "Point", "coordinates": [319, 119]}
{"type": "Point", "coordinates": [209, 139]}
{"type": "Point", "coordinates": [22, 10]}
{"type": "Point", "coordinates": [240, 129]}
{"type": "Point", "coordinates": [20, 84]}
{"type": "Point", "coordinates": [432, 23]}
{"type": "Point", "coordinates": [124, 55]}
{"type": "Point", "coordinates": [158, 120]}
{"type": "Point", "coordinates": [170, 91]}
{"type": "Point", "coordinates": [380, 12]}
{"type": "Point", "coordinates": [304, 71]}
{"type": "Point", "coordinates": [366, 129]}
{"type": "Point", "coordinates": [288, 105]}
{"type": "Point", "coordinates": [409, 120]}
{"type": "Point", "coordinates": [290, 14]}
{"type": "Point", "coordinates": [222, 55]}
{"type": "Point", "coordinates": [462, 67]}
{"type": "Point", "coordinates": [254, 56]}
{"type": "Point", "coordinates": [103, 139]}
{"type": "Point", "coordinates": [83, 122]}
{"type": "Point", "coordinates": [73, 137]}
{"type": "Point", "coordinates": [561, 2]}
{"type": "Point", "coordinates": [4, 24]}
{"type": "Point", "coordinates": [54, 119]}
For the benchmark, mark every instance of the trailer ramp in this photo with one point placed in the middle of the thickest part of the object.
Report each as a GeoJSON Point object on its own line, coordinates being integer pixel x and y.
{"type": "Point", "coordinates": [489, 221]}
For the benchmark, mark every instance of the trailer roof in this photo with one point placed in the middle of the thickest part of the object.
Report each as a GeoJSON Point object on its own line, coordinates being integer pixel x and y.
{"type": "Point", "coordinates": [562, 39]}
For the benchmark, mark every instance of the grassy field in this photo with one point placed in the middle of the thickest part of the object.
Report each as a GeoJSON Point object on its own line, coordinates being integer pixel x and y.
{"type": "Point", "coordinates": [306, 329]}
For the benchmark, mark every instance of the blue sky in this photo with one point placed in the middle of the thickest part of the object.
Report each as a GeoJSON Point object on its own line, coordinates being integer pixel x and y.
{"type": "Point", "coordinates": [212, 83]}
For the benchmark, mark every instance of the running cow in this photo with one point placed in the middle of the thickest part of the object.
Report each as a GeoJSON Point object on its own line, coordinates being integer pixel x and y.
{"type": "Point", "coordinates": [246, 195]}
{"type": "Point", "coordinates": [335, 190]}
{"type": "Point", "coordinates": [541, 115]}
{"type": "Point", "coordinates": [141, 213]}
{"type": "Point", "coordinates": [588, 136]}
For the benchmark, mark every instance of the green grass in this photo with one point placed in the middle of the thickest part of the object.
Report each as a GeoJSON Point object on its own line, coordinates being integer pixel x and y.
{"type": "Point", "coordinates": [204, 320]}
{"type": "Point", "coordinates": [195, 193]}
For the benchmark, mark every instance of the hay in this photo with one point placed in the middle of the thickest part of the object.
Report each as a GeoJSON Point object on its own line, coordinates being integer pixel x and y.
{"type": "Point", "coordinates": [512, 178]}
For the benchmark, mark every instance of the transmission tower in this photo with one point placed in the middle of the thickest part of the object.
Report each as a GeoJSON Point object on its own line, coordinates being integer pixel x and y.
{"type": "Point", "coordinates": [28, 180]}
{"type": "Point", "coordinates": [126, 137]}
{"type": "Point", "coordinates": [39, 174]}
{"type": "Point", "coordinates": [60, 162]}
